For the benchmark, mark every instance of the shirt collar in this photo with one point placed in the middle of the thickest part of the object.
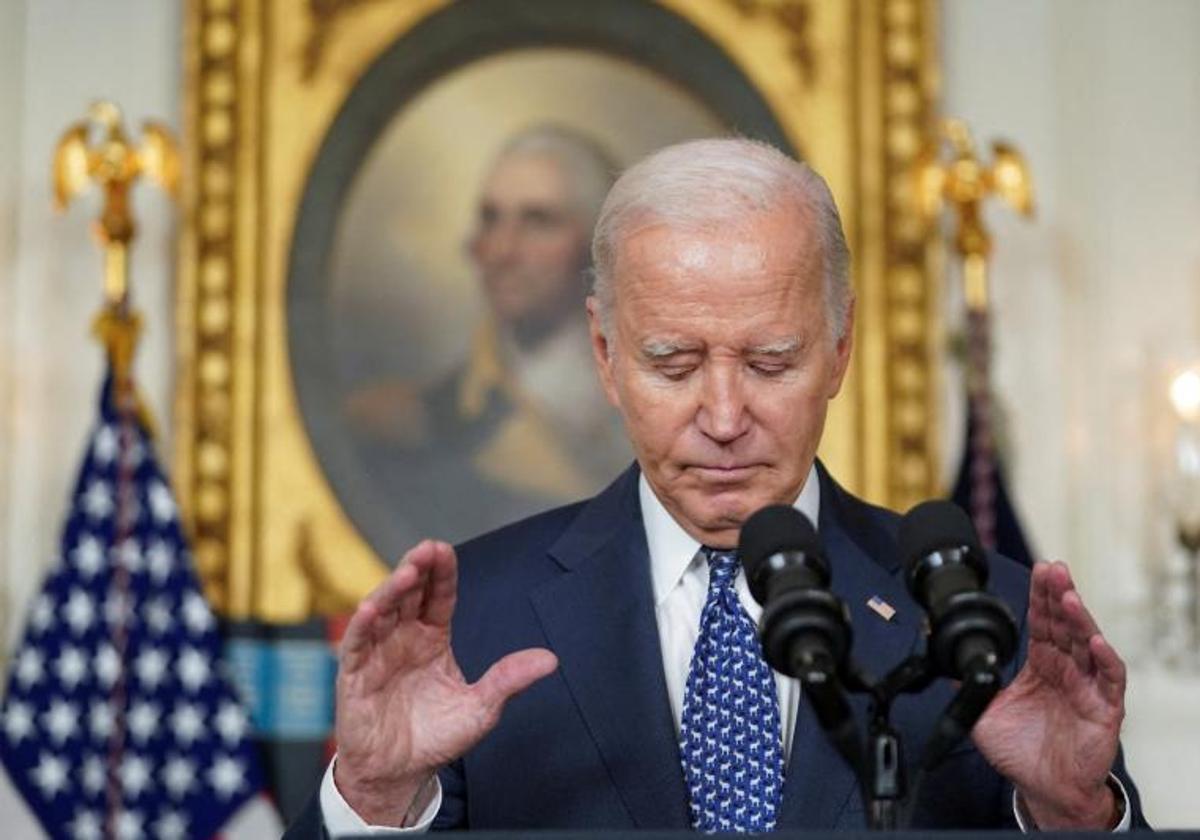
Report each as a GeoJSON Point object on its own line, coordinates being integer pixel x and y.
{"type": "Point", "coordinates": [672, 549]}
{"type": "Point", "coordinates": [485, 372]}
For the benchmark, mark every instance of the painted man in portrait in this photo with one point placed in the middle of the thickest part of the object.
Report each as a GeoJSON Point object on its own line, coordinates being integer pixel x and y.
{"type": "Point", "coordinates": [520, 423]}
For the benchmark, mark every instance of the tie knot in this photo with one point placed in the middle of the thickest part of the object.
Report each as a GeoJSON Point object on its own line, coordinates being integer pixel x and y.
{"type": "Point", "coordinates": [722, 564]}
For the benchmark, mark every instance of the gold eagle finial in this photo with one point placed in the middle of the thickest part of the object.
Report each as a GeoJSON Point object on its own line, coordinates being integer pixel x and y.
{"type": "Point", "coordinates": [97, 149]}
{"type": "Point", "coordinates": [964, 182]}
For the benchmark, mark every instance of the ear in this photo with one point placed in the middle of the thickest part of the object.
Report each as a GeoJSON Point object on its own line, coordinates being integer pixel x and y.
{"type": "Point", "coordinates": [601, 352]}
{"type": "Point", "coordinates": [842, 352]}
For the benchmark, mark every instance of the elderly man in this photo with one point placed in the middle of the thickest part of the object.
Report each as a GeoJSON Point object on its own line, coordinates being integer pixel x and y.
{"type": "Point", "coordinates": [552, 683]}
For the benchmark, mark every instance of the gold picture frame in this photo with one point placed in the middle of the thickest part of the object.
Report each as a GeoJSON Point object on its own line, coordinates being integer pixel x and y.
{"type": "Point", "coordinates": [848, 83]}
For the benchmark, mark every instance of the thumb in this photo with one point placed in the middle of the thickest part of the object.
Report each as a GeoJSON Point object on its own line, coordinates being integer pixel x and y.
{"type": "Point", "coordinates": [513, 674]}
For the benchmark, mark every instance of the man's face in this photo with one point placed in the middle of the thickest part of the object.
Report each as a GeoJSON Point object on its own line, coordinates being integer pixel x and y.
{"type": "Point", "coordinates": [529, 244]}
{"type": "Point", "coordinates": [722, 364]}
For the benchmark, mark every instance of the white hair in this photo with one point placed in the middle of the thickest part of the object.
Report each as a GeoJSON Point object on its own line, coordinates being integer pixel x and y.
{"type": "Point", "coordinates": [702, 183]}
{"type": "Point", "coordinates": [587, 166]}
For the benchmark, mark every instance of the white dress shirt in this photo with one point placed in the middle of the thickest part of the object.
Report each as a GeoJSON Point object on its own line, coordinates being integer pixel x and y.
{"type": "Point", "coordinates": [679, 575]}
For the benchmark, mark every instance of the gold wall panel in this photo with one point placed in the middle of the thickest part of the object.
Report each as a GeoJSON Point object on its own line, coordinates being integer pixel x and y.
{"type": "Point", "coordinates": [848, 83]}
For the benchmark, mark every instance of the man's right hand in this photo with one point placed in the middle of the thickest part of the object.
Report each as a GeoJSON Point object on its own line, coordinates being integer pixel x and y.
{"type": "Point", "coordinates": [403, 706]}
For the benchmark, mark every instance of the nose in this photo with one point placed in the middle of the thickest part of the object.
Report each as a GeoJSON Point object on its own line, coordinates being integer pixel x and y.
{"type": "Point", "coordinates": [723, 414]}
{"type": "Point", "coordinates": [496, 244]}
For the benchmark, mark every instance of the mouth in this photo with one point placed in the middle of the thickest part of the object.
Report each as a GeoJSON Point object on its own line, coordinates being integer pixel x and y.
{"type": "Point", "coordinates": [725, 474]}
{"type": "Point", "coordinates": [505, 284]}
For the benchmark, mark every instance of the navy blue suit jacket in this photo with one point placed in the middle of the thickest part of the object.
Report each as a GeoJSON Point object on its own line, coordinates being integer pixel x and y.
{"type": "Point", "coordinates": [594, 744]}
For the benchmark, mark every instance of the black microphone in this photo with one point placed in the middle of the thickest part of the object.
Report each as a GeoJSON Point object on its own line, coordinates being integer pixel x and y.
{"type": "Point", "coordinates": [946, 572]}
{"type": "Point", "coordinates": [805, 628]}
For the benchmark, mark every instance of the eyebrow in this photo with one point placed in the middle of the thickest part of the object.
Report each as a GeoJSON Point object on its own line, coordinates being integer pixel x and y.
{"type": "Point", "coordinates": [488, 207]}
{"type": "Point", "coordinates": [661, 348]}
{"type": "Point", "coordinates": [783, 347]}
{"type": "Point", "coordinates": [658, 348]}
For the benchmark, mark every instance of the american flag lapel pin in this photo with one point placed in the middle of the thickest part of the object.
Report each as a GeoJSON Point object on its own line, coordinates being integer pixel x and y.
{"type": "Point", "coordinates": [881, 607]}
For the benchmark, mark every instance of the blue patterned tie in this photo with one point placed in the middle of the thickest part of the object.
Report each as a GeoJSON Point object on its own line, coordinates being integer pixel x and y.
{"type": "Point", "coordinates": [730, 733]}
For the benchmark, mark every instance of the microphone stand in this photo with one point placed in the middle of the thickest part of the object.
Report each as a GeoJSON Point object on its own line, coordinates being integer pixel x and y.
{"type": "Point", "coordinates": [879, 764]}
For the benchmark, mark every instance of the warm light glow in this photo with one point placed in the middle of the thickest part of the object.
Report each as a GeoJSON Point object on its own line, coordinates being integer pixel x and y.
{"type": "Point", "coordinates": [1185, 395]}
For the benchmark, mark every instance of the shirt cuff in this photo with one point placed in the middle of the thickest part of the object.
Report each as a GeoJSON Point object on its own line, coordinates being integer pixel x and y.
{"type": "Point", "coordinates": [1026, 824]}
{"type": "Point", "coordinates": [341, 820]}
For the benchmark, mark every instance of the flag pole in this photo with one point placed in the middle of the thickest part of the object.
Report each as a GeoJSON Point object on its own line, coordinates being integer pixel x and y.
{"type": "Point", "coordinates": [115, 165]}
{"type": "Point", "coordinates": [950, 173]}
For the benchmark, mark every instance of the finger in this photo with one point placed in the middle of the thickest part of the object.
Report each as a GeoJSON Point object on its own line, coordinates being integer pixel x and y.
{"type": "Point", "coordinates": [363, 629]}
{"type": "Point", "coordinates": [395, 585]}
{"type": "Point", "coordinates": [1038, 619]}
{"type": "Point", "coordinates": [408, 603]}
{"type": "Point", "coordinates": [441, 588]}
{"type": "Point", "coordinates": [376, 614]}
{"type": "Point", "coordinates": [1082, 628]}
{"type": "Point", "coordinates": [1079, 624]}
{"type": "Point", "coordinates": [399, 597]}
{"type": "Point", "coordinates": [1083, 623]}
{"type": "Point", "coordinates": [1059, 583]}
{"type": "Point", "coordinates": [1081, 657]}
{"type": "Point", "coordinates": [404, 584]}
{"type": "Point", "coordinates": [512, 675]}
{"type": "Point", "coordinates": [358, 639]}
{"type": "Point", "coordinates": [1111, 669]}
{"type": "Point", "coordinates": [435, 563]}
{"type": "Point", "coordinates": [1041, 646]}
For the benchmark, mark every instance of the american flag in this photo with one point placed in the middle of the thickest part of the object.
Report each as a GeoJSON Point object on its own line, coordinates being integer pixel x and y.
{"type": "Point", "coordinates": [118, 720]}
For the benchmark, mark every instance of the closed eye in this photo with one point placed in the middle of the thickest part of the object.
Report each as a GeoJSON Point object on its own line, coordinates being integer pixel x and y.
{"type": "Point", "coordinates": [541, 218]}
{"type": "Point", "coordinates": [768, 368]}
{"type": "Point", "coordinates": [776, 358]}
{"type": "Point", "coordinates": [676, 373]}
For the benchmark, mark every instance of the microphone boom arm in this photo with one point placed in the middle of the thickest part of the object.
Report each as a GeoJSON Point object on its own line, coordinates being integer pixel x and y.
{"type": "Point", "coordinates": [878, 764]}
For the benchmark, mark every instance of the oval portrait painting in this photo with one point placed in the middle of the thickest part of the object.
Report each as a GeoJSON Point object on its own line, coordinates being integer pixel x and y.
{"type": "Point", "coordinates": [438, 335]}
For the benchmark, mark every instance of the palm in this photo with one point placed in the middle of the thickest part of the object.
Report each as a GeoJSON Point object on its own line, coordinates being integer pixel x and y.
{"type": "Point", "coordinates": [411, 677]}
{"type": "Point", "coordinates": [403, 706]}
{"type": "Point", "coordinates": [1053, 732]}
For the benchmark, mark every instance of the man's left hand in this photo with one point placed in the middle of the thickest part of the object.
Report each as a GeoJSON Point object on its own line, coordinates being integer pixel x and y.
{"type": "Point", "coordinates": [1053, 731]}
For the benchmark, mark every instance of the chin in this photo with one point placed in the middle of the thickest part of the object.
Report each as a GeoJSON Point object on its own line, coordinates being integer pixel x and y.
{"type": "Point", "coordinates": [724, 516]}
{"type": "Point", "coordinates": [717, 510]}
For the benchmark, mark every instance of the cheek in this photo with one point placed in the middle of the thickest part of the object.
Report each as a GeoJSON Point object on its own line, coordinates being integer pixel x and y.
{"type": "Point", "coordinates": [476, 247]}
{"type": "Point", "coordinates": [785, 408]}
{"type": "Point", "coordinates": [794, 420]}
{"type": "Point", "coordinates": [559, 255]}
{"type": "Point", "coordinates": [657, 417]}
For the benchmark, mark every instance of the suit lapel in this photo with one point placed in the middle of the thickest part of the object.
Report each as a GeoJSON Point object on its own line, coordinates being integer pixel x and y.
{"type": "Point", "coordinates": [819, 785]}
{"type": "Point", "coordinates": [598, 616]}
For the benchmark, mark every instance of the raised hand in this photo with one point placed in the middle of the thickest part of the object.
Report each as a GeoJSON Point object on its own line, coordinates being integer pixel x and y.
{"type": "Point", "coordinates": [403, 706]}
{"type": "Point", "coordinates": [1053, 732]}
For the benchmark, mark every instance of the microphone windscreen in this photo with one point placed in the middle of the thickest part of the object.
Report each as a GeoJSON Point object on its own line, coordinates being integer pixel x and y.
{"type": "Point", "coordinates": [776, 529]}
{"type": "Point", "coordinates": [933, 526]}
